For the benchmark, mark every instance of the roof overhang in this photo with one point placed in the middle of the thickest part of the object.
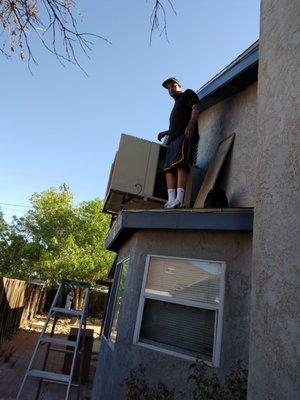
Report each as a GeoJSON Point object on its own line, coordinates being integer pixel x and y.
{"type": "Point", "coordinates": [235, 77]}
{"type": "Point", "coordinates": [128, 222]}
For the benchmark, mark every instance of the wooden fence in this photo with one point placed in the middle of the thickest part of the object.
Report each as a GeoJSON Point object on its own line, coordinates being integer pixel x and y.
{"type": "Point", "coordinates": [97, 304]}
{"type": "Point", "coordinates": [19, 300]}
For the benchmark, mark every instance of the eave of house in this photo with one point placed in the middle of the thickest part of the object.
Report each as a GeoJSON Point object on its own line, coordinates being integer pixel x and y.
{"type": "Point", "coordinates": [130, 221]}
{"type": "Point", "coordinates": [235, 77]}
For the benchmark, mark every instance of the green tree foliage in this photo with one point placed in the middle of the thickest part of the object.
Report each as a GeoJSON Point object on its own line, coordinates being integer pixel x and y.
{"type": "Point", "coordinates": [17, 253]}
{"type": "Point", "coordinates": [3, 240]}
{"type": "Point", "coordinates": [56, 240]}
{"type": "Point", "coordinates": [14, 250]}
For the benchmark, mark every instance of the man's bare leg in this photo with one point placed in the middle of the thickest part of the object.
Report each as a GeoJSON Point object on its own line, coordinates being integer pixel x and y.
{"type": "Point", "coordinates": [181, 178]}
{"type": "Point", "coordinates": [181, 184]}
{"type": "Point", "coordinates": [171, 181]}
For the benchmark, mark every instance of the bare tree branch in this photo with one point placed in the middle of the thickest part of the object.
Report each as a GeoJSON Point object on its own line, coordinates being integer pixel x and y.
{"type": "Point", "coordinates": [54, 23]}
{"type": "Point", "coordinates": [159, 14]}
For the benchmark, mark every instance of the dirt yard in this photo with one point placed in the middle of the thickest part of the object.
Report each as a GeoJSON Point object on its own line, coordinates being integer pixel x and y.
{"type": "Point", "coordinates": [15, 355]}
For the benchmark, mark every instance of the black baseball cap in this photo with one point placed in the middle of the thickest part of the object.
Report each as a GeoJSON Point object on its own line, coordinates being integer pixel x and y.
{"type": "Point", "coordinates": [169, 80]}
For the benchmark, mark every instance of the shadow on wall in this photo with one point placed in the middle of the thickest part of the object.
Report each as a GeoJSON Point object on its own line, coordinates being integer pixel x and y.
{"type": "Point", "coordinates": [212, 129]}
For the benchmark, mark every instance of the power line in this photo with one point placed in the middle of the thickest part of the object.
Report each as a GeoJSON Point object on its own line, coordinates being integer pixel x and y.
{"type": "Point", "coordinates": [13, 209]}
{"type": "Point", "coordinates": [15, 205]}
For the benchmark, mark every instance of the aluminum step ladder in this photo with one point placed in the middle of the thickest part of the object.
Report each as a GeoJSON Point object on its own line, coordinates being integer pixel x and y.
{"type": "Point", "coordinates": [57, 311]}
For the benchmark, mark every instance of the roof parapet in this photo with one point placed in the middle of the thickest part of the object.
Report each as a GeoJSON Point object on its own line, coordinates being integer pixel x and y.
{"type": "Point", "coordinates": [235, 77]}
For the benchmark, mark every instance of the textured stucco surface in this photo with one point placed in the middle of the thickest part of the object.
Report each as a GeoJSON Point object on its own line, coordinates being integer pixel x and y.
{"type": "Point", "coordinates": [235, 114]}
{"type": "Point", "coordinates": [274, 361]}
{"type": "Point", "coordinates": [233, 247]}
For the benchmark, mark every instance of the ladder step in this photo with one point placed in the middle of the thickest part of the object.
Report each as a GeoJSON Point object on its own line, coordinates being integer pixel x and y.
{"type": "Point", "coordinates": [64, 350]}
{"type": "Point", "coordinates": [51, 376]}
{"type": "Point", "coordinates": [61, 383]}
{"type": "Point", "coordinates": [58, 341]}
{"type": "Point", "coordinates": [77, 313]}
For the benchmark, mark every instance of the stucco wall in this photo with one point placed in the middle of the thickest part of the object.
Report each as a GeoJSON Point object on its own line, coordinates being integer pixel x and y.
{"type": "Point", "coordinates": [232, 247]}
{"type": "Point", "coordinates": [235, 114]}
{"type": "Point", "coordinates": [274, 362]}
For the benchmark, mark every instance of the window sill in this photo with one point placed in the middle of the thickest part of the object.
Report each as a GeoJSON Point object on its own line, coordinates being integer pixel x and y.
{"type": "Point", "coordinates": [175, 354]}
{"type": "Point", "coordinates": [110, 344]}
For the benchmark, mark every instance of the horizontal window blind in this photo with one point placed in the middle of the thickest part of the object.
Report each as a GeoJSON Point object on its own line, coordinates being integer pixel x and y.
{"type": "Point", "coordinates": [194, 280]}
{"type": "Point", "coordinates": [188, 330]}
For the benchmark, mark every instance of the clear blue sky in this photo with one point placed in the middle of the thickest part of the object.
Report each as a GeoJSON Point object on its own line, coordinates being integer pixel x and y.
{"type": "Point", "coordinates": [58, 125]}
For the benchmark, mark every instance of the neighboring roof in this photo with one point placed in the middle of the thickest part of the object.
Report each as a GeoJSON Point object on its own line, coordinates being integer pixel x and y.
{"type": "Point", "coordinates": [129, 221]}
{"type": "Point", "coordinates": [235, 77]}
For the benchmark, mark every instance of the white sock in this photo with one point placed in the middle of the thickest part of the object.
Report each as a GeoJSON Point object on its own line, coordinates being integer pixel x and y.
{"type": "Point", "coordinates": [180, 195]}
{"type": "Point", "coordinates": [171, 195]}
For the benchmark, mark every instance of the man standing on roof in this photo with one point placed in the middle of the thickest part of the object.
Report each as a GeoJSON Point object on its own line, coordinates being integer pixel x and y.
{"type": "Point", "coordinates": [182, 140]}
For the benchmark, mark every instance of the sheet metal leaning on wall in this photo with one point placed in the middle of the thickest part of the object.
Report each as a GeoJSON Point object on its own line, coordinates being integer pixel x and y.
{"type": "Point", "coordinates": [214, 168]}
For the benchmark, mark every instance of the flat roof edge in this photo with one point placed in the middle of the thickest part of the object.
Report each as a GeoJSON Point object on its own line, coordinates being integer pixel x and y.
{"type": "Point", "coordinates": [222, 219]}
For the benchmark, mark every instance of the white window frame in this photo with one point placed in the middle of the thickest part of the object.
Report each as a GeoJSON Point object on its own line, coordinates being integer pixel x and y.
{"type": "Point", "coordinates": [218, 308]}
{"type": "Point", "coordinates": [110, 343]}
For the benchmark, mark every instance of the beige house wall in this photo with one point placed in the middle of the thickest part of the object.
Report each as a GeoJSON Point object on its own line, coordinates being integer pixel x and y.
{"type": "Point", "coordinates": [235, 114]}
{"type": "Point", "coordinates": [234, 248]}
{"type": "Point", "coordinates": [274, 361]}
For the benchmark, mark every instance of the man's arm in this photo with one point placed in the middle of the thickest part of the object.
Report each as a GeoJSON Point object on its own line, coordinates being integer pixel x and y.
{"type": "Point", "coordinates": [161, 135]}
{"type": "Point", "coordinates": [189, 130]}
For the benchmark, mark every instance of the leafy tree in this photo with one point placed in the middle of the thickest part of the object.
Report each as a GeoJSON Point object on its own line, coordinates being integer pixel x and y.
{"type": "Point", "coordinates": [3, 224]}
{"type": "Point", "coordinates": [54, 23]}
{"type": "Point", "coordinates": [56, 240]}
{"type": "Point", "coordinates": [12, 248]}
{"type": "Point", "coordinates": [3, 241]}
{"type": "Point", "coordinates": [17, 254]}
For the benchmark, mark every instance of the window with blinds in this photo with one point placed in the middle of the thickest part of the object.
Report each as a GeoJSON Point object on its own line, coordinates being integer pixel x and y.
{"type": "Point", "coordinates": [181, 307]}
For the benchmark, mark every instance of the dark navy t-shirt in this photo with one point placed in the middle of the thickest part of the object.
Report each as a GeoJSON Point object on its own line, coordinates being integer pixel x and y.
{"type": "Point", "coordinates": [181, 113]}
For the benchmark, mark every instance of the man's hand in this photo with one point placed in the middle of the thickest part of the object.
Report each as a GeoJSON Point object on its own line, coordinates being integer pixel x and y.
{"type": "Point", "coordinates": [161, 135]}
{"type": "Point", "coordinates": [189, 130]}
